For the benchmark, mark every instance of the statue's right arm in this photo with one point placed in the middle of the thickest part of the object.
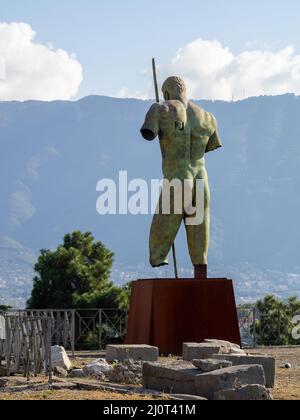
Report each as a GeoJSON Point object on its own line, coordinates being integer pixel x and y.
{"type": "Point", "coordinates": [150, 129]}
{"type": "Point", "coordinates": [214, 140]}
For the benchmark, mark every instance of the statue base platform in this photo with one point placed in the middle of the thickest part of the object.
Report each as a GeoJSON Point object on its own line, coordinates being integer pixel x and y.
{"type": "Point", "coordinates": [167, 313]}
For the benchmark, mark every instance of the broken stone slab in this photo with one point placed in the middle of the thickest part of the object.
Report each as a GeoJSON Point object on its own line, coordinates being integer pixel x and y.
{"type": "Point", "coordinates": [210, 365]}
{"type": "Point", "coordinates": [183, 378]}
{"type": "Point", "coordinates": [97, 369]}
{"type": "Point", "coordinates": [268, 364]}
{"type": "Point", "coordinates": [226, 347]}
{"type": "Point", "coordinates": [244, 393]}
{"type": "Point", "coordinates": [77, 373]}
{"type": "Point", "coordinates": [60, 358]}
{"type": "Point", "coordinates": [207, 384]}
{"type": "Point", "coordinates": [62, 386]}
{"type": "Point", "coordinates": [121, 353]}
{"type": "Point", "coordinates": [174, 378]}
{"type": "Point", "coordinates": [60, 372]}
{"type": "Point", "coordinates": [194, 351]}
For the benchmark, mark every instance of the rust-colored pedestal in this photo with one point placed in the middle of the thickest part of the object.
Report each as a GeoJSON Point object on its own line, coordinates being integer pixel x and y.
{"type": "Point", "coordinates": [167, 313]}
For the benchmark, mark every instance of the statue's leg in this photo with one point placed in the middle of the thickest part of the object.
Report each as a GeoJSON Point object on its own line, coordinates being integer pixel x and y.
{"type": "Point", "coordinates": [164, 230]}
{"type": "Point", "coordinates": [199, 235]}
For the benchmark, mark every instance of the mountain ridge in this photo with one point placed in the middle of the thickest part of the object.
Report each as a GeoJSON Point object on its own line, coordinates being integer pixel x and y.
{"type": "Point", "coordinates": [54, 153]}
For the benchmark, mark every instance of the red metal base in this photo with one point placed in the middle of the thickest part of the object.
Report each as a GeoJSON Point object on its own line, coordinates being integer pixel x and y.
{"type": "Point", "coordinates": [167, 313]}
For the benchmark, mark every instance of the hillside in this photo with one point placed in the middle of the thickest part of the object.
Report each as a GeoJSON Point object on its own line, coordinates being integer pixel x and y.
{"type": "Point", "coordinates": [53, 154]}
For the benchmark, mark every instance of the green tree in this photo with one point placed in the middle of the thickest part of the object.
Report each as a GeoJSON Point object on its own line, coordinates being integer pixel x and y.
{"type": "Point", "coordinates": [75, 275]}
{"type": "Point", "coordinates": [274, 326]}
{"type": "Point", "coordinates": [108, 297]}
{"type": "Point", "coordinates": [4, 308]}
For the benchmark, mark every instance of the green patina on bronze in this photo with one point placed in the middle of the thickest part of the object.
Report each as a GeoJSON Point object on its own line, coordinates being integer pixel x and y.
{"type": "Point", "coordinates": [186, 132]}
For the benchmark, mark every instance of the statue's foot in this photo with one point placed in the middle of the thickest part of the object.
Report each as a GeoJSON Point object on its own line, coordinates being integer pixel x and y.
{"type": "Point", "coordinates": [200, 272]}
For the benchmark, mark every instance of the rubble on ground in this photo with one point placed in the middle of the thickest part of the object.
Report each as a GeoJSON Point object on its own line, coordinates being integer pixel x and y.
{"type": "Point", "coordinates": [212, 370]}
{"type": "Point", "coordinates": [129, 372]}
{"type": "Point", "coordinates": [59, 358]}
{"type": "Point", "coordinates": [98, 369]}
{"type": "Point", "coordinates": [60, 372]}
{"type": "Point", "coordinates": [215, 369]}
{"type": "Point", "coordinates": [77, 373]}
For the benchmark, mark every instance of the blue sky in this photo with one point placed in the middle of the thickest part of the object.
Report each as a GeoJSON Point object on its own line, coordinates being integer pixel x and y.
{"type": "Point", "coordinates": [114, 40]}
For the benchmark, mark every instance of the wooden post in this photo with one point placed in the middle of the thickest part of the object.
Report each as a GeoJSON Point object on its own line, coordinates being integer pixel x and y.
{"type": "Point", "coordinates": [254, 328]}
{"type": "Point", "coordinates": [73, 332]}
{"type": "Point", "coordinates": [49, 345]}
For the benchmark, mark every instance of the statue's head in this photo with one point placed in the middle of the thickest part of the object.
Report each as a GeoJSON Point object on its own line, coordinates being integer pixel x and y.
{"type": "Point", "coordinates": [174, 88]}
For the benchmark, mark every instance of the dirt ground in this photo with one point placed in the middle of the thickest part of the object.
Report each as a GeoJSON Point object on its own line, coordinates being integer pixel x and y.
{"type": "Point", "coordinates": [69, 396]}
{"type": "Point", "coordinates": [287, 382]}
{"type": "Point", "coordinates": [282, 355]}
{"type": "Point", "coordinates": [287, 385]}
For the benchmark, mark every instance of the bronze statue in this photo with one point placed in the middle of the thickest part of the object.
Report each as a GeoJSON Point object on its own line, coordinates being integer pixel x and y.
{"type": "Point", "coordinates": [186, 132]}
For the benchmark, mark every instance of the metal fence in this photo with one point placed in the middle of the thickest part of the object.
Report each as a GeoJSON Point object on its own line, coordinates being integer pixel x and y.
{"type": "Point", "coordinates": [272, 328]}
{"type": "Point", "coordinates": [247, 323]}
{"type": "Point", "coordinates": [93, 329]}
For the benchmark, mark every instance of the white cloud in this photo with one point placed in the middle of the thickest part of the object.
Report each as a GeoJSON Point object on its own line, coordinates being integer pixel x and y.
{"type": "Point", "coordinates": [213, 71]}
{"type": "Point", "coordinates": [138, 94]}
{"type": "Point", "coordinates": [33, 70]}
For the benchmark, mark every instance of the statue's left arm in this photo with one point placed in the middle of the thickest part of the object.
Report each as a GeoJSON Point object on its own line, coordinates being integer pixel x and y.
{"type": "Point", "coordinates": [214, 140]}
